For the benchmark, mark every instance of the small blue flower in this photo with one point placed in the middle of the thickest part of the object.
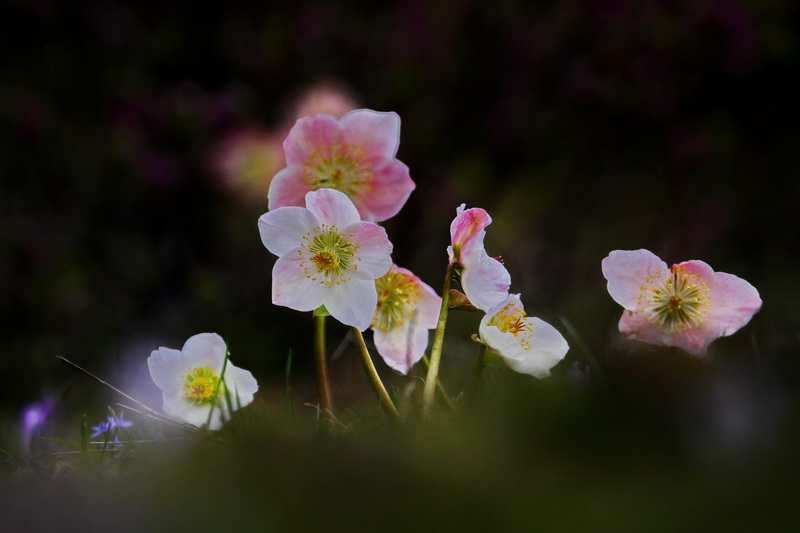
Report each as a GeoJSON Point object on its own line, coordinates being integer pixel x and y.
{"type": "Point", "coordinates": [112, 424]}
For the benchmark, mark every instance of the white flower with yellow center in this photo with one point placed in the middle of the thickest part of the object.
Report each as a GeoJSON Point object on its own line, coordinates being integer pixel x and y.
{"type": "Point", "coordinates": [688, 305]}
{"type": "Point", "coordinates": [527, 345]}
{"type": "Point", "coordinates": [327, 256]}
{"type": "Point", "coordinates": [407, 308]}
{"type": "Point", "coordinates": [192, 381]}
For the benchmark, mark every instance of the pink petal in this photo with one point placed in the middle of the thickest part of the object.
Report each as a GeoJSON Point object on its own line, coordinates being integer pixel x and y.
{"type": "Point", "coordinates": [626, 271]}
{"type": "Point", "coordinates": [353, 302]}
{"type": "Point", "coordinates": [375, 133]}
{"type": "Point", "coordinates": [402, 346]}
{"type": "Point", "coordinates": [332, 207]}
{"type": "Point", "coordinates": [428, 306]}
{"type": "Point", "coordinates": [288, 187]}
{"type": "Point", "coordinates": [293, 287]}
{"type": "Point", "coordinates": [205, 350]}
{"type": "Point", "coordinates": [486, 283]}
{"type": "Point", "coordinates": [387, 192]}
{"type": "Point", "coordinates": [633, 325]}
{"type": "Point", "coordinates": [468, 225]}
{"type": "Point", "coordinates": [311, 136]}
{"type": "Point", "coordinates": [374, 251]}
{"type": "Point", "coordinates": [283, 229]}
{"type": "Point", "coordinates": [734, 301]}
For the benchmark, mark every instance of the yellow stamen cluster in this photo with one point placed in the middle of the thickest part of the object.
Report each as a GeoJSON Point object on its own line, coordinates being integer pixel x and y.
{"type": "Point", "coordinates": [397, 298]}
{"type": "Point", "coordinates": [327, 255]}
{"type": "Point", "coordinates": [340, 167]}
{"type": "Point", "coordinates": [511, 319]}
{"type": "Point", "coordinates": [674, 300]}
{"type": "Point", "coordinates": [200, 385]}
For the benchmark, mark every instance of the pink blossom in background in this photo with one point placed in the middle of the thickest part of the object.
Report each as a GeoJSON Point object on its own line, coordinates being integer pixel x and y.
{"type": "Point", "coordinates": [354, 154]}
{"type": "Point", "coordinates": [407, 308]}
{"type": "Point", "coordinates": [484, 279]}
{"type": "Point", "coordinates": [327, 256]}
{"type": "Point", "coordinates": [527, 345]}
{"type": "Point", "coordinates": [246, 161]}
{"type": "Point", "coordinates": [688, 305]}
{"type": "Point", "coordinates": [325, 97]}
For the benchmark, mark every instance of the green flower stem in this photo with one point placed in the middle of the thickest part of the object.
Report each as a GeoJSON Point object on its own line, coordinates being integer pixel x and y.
{"type": "Point", "coordinates": [440, 388]}
{"type": "Point", "coordinates": [429, 392]}
{"type": "Point", "coordinates": [323, 392]}
{"type": "Point", "coordinates": [374, 379]}
{"type": "Point", "coordinates": [476, 375]}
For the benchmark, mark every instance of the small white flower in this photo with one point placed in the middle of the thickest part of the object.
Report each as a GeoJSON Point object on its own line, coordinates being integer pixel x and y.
{"type": "Point", "coordinates": [191, 381]}
{"type": "Point", "coordinates": [527, 345]}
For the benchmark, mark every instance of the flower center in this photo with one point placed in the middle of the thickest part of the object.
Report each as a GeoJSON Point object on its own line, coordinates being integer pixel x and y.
{"type": "Point", "coordinates": [327, 255]}
{"type": "Point", "coordinates": [200, 385]}
{"type": "Point", "coordinates": [511, 319]}
{"type": "Point", "coordinates": [339, 167]}
{"type": "Point", "coordinates": [397, 298]}
{"type": "Point", "coordinates": [674, 300]}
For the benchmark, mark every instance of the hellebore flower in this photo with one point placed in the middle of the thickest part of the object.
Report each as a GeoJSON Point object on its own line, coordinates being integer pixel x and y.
{"type": "Point", "coordinates": [688, 305]}
{"type": "Point", "coordinates": [327, 256]}
{"type": "Point", "coordinates": [527, 345]}
{"type": "Point", "coordinates": [484, 279]}
{"type": "Point", "coordinates": [192, 383]}
{"type": "Point", "coordinates": [354, 154]}
{"type": "Point", "coordinates": [407, 309]}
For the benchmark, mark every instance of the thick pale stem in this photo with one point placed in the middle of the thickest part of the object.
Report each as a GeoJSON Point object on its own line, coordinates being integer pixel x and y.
{"type": "Point", "coordinates": [429, 392]}
{"type": "Point", "coordinates": [374, 379]}
{"type": "Point", "coordinates": [440, 388]}
{"type": "Point", "coordinates": [323, 392]}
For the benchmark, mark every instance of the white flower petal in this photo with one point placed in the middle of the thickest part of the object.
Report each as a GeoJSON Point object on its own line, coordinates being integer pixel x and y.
{"type": "Point", "coordinates": [167, 369]}
{"type": "Point", "coordinates": [282, 230]}
{"type": "Point", "coordinates": [205, 350]}
{"type": "Point", "coordinates": [240, 383]}
{"type": "Point", "coordinates": [626, 271]}
{"type": "Point", "coordinates": [292, 287]}
{"type": "Point", "coordinates": [332, 207]}
{"type": "Point", "coordinates": [548, 348]}
{"type": "Point", "coordinates": [353, 302]}
{"type": "Point", "coordinates": [486, 283]}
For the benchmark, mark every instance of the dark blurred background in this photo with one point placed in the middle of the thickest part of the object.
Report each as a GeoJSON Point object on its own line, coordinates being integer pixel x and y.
{"type": "Point", "coordinates": [139, 140]}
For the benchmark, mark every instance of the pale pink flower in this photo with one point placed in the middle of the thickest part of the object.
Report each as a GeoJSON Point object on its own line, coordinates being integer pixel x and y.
{"type": "Point", "coordinates": [484, 279]}
{"type": "Point", "coordinates": [407, 309]}
{"type": "Point", "coordinates": [688, 305]}
{"type": "Point", "coordinates": [354, 154]}
{"type": "Point", "coordinates": [527, 345]}
{"type": "Point", "coordinates": [327, 256]}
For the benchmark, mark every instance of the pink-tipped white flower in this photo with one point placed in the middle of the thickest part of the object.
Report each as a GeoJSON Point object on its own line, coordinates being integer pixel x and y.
{"type": "Point", "coordinates": [688, 305]}
{"type": "Point", "coordinates": [192, 381]}
{"type": "Point", "coordinates": [527, 345]}
{"type": "Point", "coordinates": [484, 279]}
{"type": "Point", "coordinates": [407, 309]}
{"type": "Point", "coordinates": [354, 154]}
{"type": "Point", "coordinates": [327, 256]}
